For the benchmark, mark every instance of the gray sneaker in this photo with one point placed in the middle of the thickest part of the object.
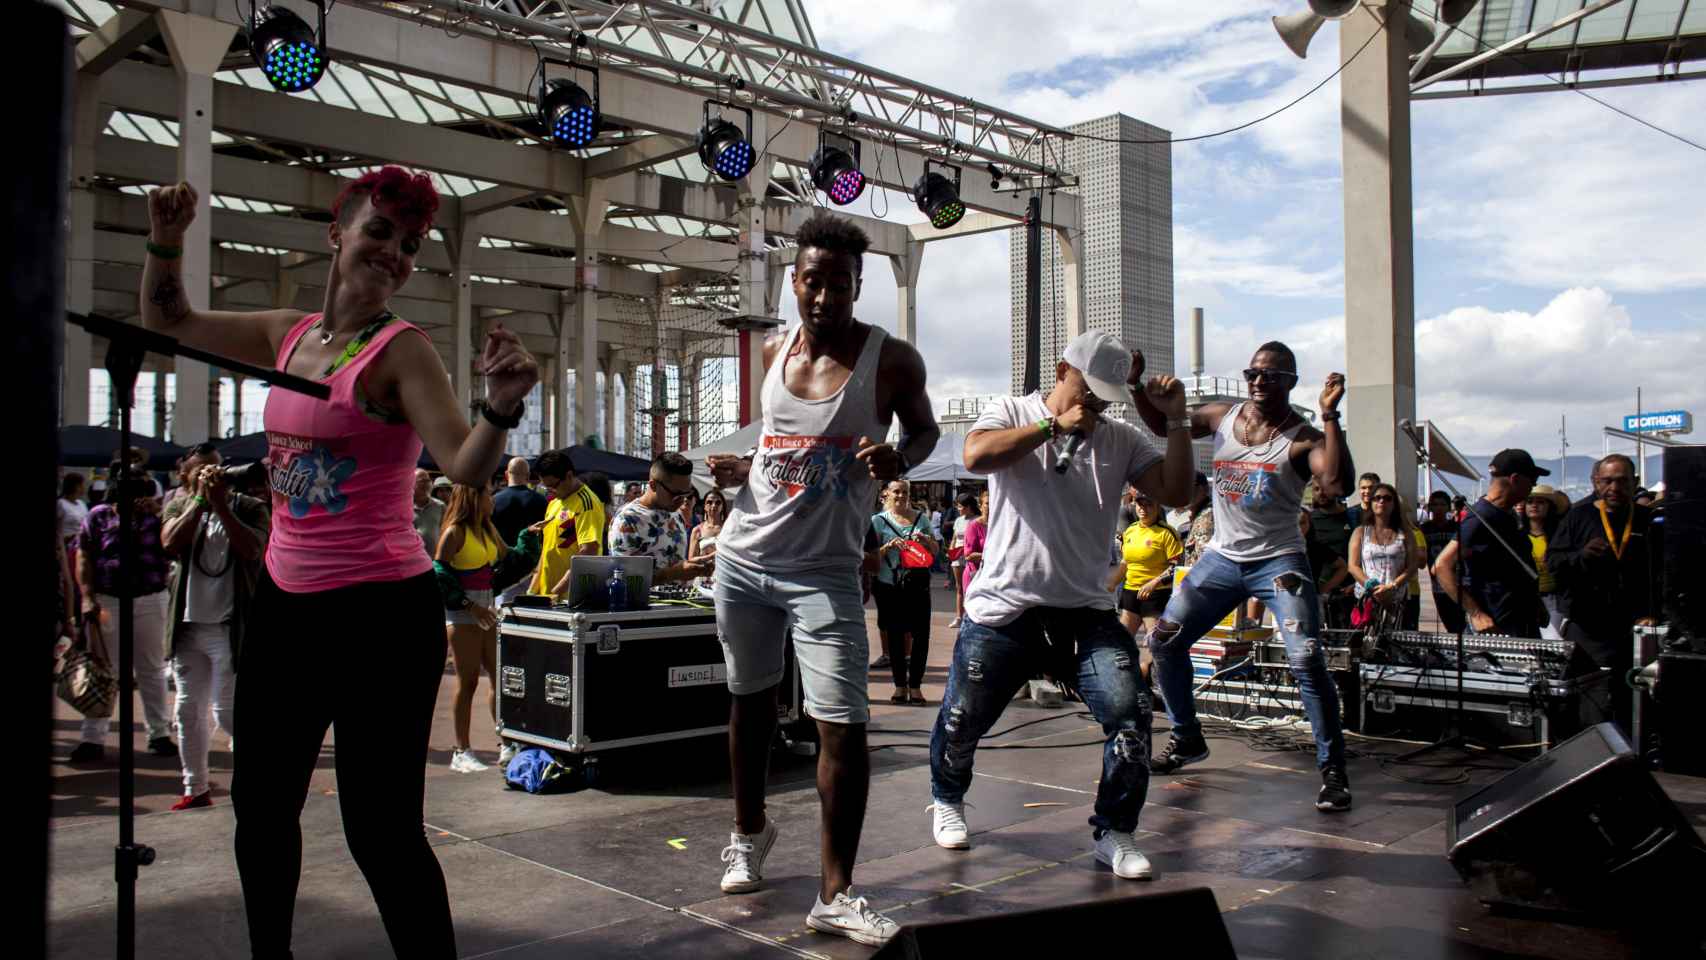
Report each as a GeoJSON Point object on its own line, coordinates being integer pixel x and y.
{"type": "Point", "coordinates": [852, 917]}
{"type": "Point", "coordinates": [745, 858]}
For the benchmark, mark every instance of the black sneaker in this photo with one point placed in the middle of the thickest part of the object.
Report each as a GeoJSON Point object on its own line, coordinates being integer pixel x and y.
{"type": "Point", "coordinates": [881, 663]}
{"type": "Point", "coordinates": [162, 747]}
{"type": "Point", "coordinates": [87, 753]}
{"type": "Point", "coordinates": [1335, 795]}
{"type": "Point", "coordinates": [1179, 752]}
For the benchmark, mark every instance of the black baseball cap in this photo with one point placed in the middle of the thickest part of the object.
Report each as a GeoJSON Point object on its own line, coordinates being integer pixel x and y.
{"type": "Point", "coordinates": [1508, 463]}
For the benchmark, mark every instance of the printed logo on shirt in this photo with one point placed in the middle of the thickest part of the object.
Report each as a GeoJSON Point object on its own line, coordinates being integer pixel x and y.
{"type": "Point", "coordinates": [815, 466]}
{"type": "Point", "coordinates": [1245, 482]}
{"type": "Point", "coordinates": [312, 480]}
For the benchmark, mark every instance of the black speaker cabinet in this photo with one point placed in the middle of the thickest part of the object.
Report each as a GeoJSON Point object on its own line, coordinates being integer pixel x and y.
{"type": "Point", "coordinates": [1045, 932]}
{"type": "Point", "coordinates": [1582, 832]}
{"type": "Point", "coordinates": [1684, 520]}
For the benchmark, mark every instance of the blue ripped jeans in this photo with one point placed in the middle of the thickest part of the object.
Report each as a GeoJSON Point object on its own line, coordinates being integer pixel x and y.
{"type": "Point", "coordinates": [1214, 587]}
{"type": "Point", "coordinates": [1088, 648]}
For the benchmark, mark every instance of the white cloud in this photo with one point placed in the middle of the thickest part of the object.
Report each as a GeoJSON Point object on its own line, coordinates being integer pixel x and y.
{"type": "Point", "coordinates": [1494, 379]}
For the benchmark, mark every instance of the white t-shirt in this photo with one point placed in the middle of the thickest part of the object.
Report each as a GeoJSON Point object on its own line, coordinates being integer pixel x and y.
{"type": "Point", "coordinates": [71, 516]}
{"type": "Point", "coordinates": [1048, 540]}
{"type": "Point", "coordinates": [210, 599]}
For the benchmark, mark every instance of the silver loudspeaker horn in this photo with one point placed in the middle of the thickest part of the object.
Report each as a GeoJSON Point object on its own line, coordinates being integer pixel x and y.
{"type": "Point", "coordinates": [1297, 29]}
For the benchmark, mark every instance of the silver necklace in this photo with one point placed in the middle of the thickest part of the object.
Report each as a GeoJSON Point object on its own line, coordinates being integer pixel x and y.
{"type": "Point", "coordinates": [325, 333]}
{"type": "Point", "coordinates": [1244, 434]}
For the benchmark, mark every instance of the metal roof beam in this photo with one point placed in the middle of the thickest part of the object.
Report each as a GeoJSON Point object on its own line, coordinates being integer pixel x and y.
{"type": "Point", "coordinates": [238, 109]}
{"type": "Point", "coordinates": [113, 40]}
{"type": "Point", "coordinates": [638, 155]}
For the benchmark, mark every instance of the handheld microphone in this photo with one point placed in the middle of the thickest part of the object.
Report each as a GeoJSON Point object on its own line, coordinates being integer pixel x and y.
{"type": "Point", "coordinates": [1063, 460]}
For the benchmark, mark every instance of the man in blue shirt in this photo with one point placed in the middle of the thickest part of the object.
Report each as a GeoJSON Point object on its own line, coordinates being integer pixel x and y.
{"type": "Point", "coordinates": [1497, 584]}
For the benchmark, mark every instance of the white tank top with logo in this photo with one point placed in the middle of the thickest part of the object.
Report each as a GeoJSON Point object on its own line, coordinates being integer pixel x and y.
{"type": "Point", "coordinates": [1257, 494]}
{"type": "Point", "coordinates": [808, 501]}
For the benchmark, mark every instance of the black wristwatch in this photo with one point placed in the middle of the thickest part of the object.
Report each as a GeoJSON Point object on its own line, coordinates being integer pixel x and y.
{"type": "Point", "coordinates": [500, 421]}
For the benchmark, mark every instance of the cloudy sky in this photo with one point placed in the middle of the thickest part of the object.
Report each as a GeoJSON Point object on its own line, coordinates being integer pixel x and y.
{"type": "Point", "coordinates": [1560, 248]}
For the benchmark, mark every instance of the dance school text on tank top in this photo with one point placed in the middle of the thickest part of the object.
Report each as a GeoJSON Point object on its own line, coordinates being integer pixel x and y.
{"type": "Point", "coordinates": [342, 482]}
{"type": "Point", "coordinates": [808, 499]}
{"type": "Point", "coordinates": [1257, 494]}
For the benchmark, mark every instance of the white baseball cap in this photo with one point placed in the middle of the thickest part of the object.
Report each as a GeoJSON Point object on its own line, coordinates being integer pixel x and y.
{"type": "Point", "coordinates": [1105, 363]}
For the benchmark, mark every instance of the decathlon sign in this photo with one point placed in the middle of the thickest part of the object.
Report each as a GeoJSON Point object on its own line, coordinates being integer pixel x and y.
{"type": "Point", "coordinates": [1665, 421]}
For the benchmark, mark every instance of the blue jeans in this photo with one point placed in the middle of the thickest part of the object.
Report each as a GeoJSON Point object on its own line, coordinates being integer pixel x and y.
{"type": "Point", "coordinates": [1214, 588]}
{"type": "Point", "coordinates": [1086, 647]}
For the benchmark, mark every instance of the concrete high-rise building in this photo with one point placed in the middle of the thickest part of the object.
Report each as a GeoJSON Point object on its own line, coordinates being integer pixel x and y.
{"type": "Point", "coordinates": [1127, 191]}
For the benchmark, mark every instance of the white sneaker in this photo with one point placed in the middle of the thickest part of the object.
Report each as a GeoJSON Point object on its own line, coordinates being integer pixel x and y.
{"type": "Point", "coordinates": [506, 753]}
{"type": "Point", "coordinates": [1119, 851]}
{"type": "Point", "coordinates": [462, 761]}
{"type": "Point", "coordinates": [948, 825]}
{"type": "Point", "coordinates": [853, 918]}
{"type": "Point", "coordinates": [745, 858]}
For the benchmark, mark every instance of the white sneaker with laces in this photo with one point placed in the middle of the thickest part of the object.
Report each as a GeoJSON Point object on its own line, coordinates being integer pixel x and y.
{"type": "Point", "coordinates": [852, 917]}
{"type": "Point", "coordinates": [948, 825]}
{"type": "Point", "coordinates": [506, 753]}
{"type": "Point", "coordinates": [745, 858]}
{"type": "Point", "coordinates": [463, 761]}
{"type": "Point", "coordinates": [1119, 851]}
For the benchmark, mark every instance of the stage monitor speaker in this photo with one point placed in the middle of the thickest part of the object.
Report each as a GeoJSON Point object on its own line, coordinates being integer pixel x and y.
{"type": "Point", "coordinates": [1582, 832]}
{"type": "Point", "coordinates": [1685, 543]}
{"type": "Point", "coordinates": [1045, 932]}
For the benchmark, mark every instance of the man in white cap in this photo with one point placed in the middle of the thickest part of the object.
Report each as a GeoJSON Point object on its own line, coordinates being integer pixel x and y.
{"type": "Point", "coordinates": [1056, 471]}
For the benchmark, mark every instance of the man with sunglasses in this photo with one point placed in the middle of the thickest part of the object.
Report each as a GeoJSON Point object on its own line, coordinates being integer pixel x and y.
{"type": "Point", "coordinates": [1264, 455]}
{"type": "Point", "coordinates": [650, 525]}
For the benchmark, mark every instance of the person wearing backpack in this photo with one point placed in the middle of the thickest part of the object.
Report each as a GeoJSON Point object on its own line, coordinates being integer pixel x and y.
{"type": "Point", "coordinates": [905, 554]}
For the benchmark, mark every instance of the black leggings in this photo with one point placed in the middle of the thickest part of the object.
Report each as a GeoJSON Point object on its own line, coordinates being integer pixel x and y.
{"type": "Point", "coordinates": [365, 660]}
{"type": "Point", "coordinates": [902, 611]}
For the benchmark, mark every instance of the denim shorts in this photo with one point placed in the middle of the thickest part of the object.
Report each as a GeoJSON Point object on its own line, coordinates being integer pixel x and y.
{"type": "Point", "coordinates": [465, 616]}
{"type": "Point", "coordinates": [826, 611]}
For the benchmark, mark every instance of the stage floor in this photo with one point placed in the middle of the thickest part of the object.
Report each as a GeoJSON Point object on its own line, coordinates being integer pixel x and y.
{"type": "Point", "coordinates": [630, 870]}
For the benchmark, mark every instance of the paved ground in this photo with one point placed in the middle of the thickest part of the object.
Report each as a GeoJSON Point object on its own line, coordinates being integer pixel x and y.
{"type": "Point", "coordinates": [594, 873]}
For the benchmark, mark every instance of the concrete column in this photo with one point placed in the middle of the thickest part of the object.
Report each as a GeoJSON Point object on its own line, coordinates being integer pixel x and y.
{"type": "Point", "coordinates": [906, 290]}
{"type": "Point", "coordinates": [197, 45]}
{"type": "Point", "coordinates": [562, 421]}
{"type": "Point", "coordinates": [461, 241]}
{"type": "Point", "coordinates": [237, 404]}
{"type": "Point", "coordinates": [87, 120]}
{"type": "Point", "coordinates": [690, 400]}
{"type": "Point", "coordinates": [1071, 283]}
{"type": "Point", "coordinates": [587, 213]}
{"type": "Point", "coordinates": [630, 409]}
{"type": "Point", "coordinates": [1380, 338]}
{"type": "Point", "coordinates": [611, 364]}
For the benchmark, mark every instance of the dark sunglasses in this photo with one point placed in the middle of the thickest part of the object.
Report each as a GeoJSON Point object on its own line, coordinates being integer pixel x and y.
{"type": "Point", "coordinates": [1381, 498]}
{"type": "Point", "coordinates": [672, 494]}
{"type": "Point", "coordinates": [1269, 375]}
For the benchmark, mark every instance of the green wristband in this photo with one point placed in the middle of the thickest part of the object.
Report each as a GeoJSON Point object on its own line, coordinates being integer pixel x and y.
{"type": "Point", "coordinates": [198, 500]}
{"type": "Point", "coordinates": [1046, 425]}
{"type": "Point", "coordinates": [164, 252]}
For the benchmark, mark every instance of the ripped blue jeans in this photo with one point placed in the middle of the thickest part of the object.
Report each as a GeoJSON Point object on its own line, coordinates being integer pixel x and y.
{"type": "Point", "coordinates": [1214, 587]}
{"type": "Point", "coordinates": [1086, 647]}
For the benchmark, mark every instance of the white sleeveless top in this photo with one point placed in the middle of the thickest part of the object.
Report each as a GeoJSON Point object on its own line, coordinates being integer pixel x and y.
{"type": "Point", "coordinates": [1383, 562]}
{"type": "Point", "coordinates": [1257, 494]}
{"type": "Point", "coordinates": [807, 502]}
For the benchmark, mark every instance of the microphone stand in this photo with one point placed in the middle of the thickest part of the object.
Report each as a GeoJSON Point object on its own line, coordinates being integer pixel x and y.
{"type": "Point", "coordinates": [126, 346]}
{"type": "Point", "coordinates": [1453, 737]}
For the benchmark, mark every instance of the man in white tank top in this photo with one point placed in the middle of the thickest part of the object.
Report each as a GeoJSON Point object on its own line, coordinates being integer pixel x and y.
{"type": "Point", "coordinates": [790, 552]}
{"type": "Point", "coordinates": [1264, 455]}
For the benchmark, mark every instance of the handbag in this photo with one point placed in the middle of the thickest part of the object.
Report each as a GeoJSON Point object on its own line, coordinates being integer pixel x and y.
{"type": "Point", "coordinates": [916, 556]}
{"type": "Point", "coordinates": [86, 681]}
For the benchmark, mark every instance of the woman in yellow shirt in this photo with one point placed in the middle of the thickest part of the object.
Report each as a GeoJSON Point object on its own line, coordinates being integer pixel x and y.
{"type": "Point", "coordinates": [1544, 510]}
{"type": "Point", "coordinates": [469, 545]}
{"type": "Point", "coordinates": [1149, 549]}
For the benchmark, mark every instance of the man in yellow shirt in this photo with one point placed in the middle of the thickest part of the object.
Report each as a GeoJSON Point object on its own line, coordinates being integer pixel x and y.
{"type": "Point", "coordinates": [574, 523]}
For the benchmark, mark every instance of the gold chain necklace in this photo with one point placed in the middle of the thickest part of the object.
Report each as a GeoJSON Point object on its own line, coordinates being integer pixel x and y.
{"type": "Point", "coordinates": [1244, 433]}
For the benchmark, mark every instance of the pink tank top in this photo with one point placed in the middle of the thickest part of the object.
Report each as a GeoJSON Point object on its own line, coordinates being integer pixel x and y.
{"type": "Point", "coordinates": [342, 482]}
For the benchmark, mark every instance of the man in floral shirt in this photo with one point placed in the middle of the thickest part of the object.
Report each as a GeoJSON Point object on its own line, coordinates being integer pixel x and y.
{"type": "Point", "coordinates": [650, 526]}
{"type": "Point", "coordinates": [102, 581]}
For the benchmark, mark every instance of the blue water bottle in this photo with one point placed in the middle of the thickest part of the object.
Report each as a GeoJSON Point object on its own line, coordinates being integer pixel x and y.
{"type": "Point", "coordinates": [618, 589]}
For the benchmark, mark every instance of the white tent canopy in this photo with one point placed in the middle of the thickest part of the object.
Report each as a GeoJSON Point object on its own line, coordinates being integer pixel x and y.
{"type": "Point", "coordinates": [946, 463]}
{"type": "Point", "coordinates": [737, 442]}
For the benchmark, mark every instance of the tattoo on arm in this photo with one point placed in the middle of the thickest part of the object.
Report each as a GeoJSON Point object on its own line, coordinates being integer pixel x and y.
{"type": "Point", "coordinates": [169, 297]}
